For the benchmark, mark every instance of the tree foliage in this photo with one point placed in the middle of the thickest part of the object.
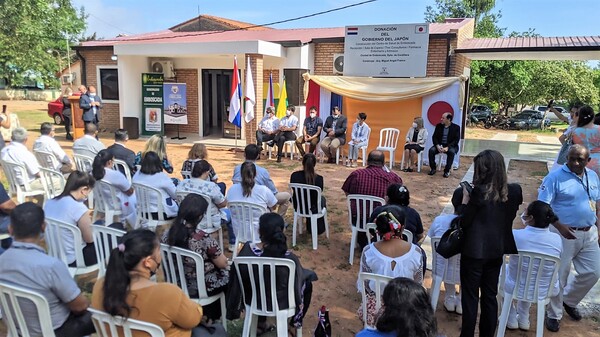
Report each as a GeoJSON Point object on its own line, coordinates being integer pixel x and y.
{"type": "Point", "coordinates": [28, 30]}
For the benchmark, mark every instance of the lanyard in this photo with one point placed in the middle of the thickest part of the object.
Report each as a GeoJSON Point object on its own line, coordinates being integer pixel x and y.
{"type": "Point", "coordinates": [586, 186]}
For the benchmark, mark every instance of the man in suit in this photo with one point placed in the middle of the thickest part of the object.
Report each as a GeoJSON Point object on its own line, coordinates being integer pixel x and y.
{"type": "Point", "coordinates": [445, 140]}
{"type": "Point", "coordinates": [120, 151]}
{"type": "Point", "coordinates": [91, 104]}
{"type": "Point", "coordinates": [88, 145]}
{"type": "Point", "coordinates": [335, 130]}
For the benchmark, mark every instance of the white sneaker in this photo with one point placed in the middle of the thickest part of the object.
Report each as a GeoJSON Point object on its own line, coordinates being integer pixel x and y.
{"type": "Point", "coordinates": [458, 305]}
{"type": "Point", "coordinates": [523, 323]}
{"type": "Point", "coordinates": [512, 322]}
{"type": "Point", "coordinates": [450, 304]}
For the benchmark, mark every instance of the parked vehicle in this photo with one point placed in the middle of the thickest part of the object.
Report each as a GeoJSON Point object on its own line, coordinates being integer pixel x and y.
{"type": "Point", "coordinates": [498, 122]}
{"type": "Point", "coordinates": [481, 112]}
{"type": "Point", "coordinates": [528, 119]}
{"type": "Point", "coordinates": [550, 115]}
{"type": "Point", "coordinates": [55, 109]}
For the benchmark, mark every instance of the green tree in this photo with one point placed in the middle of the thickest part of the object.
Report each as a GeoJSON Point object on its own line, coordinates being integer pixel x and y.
{"type": "Point", "coordinates": [28, 30]}
{"type": "Point", "coordinates": [486, 23]}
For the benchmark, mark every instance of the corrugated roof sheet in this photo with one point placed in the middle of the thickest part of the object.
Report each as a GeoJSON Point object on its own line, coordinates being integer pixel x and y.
{"type": "Point", "coordinates": [517, 43]}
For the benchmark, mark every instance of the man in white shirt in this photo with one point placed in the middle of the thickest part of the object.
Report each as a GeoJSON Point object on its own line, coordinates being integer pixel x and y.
{"type": "Point", "coordinates": [88, 145]}
{"type": "Point", "coordinates": [267, 128]}
{"type": "Point", "coordinates": [287, 130]}
{"type": "Point", "coordinates": [16, 152]}
{"type": "Point", "coordinates": [47, 143]}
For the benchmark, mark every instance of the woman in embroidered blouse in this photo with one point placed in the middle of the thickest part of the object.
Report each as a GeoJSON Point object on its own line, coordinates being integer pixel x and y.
{"type": "Point", "coordinates": [360, 138]}
{"type": "Point", "coordinates": [415, 143]}
{"type": "Point", "coordinates": [588, 134]}
{"type": "Point", "coordinates": [390, 256]}
{"type": "Point", "coordinates": [155, 144]}
{"type": "Point", "coordinates": [185, 234]}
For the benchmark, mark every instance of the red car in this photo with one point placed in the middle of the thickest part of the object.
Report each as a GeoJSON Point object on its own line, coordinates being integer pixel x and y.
{"type": "Point", "coordinates": [55, 109]}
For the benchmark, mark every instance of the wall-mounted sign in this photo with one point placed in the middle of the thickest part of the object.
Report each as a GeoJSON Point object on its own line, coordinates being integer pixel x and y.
{"type": "Point", "coordinates": [152, 103]}
{"type": "Point", "coordinates": [386, 50]}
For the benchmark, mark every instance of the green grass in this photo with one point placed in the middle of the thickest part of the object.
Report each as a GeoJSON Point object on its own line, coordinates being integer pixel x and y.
{"type": "Point", "coordinates": [31, 119]}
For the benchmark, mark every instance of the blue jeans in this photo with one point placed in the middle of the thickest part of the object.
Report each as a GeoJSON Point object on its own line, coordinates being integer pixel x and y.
{"type": "Point", "coordinates": [229, 226]}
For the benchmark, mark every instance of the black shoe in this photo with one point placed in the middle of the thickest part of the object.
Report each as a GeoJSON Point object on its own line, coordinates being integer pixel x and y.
{"type": "Point", "coordinates": [446, 174]}
{"type": "Point", "coordinates": [432, 172]}
{"type": "Point", "coordinates": [279, 159]}
{"type": "Point", "coordinates": [573, 312]}
{"type": "Point", "coordinates": [552, 324]}
{"type": "Point", "coordinates": [69, 137]}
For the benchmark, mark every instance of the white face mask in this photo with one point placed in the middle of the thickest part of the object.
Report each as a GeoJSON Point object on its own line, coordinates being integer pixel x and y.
{"type": "Point", "coordinates": [288, 112]}
{"type": "Point", "coordinates": [92, 94]}
{"type": "Point", "coordinates": [313, 115]}
{"type": "Point", "coordinates": [414, 125]}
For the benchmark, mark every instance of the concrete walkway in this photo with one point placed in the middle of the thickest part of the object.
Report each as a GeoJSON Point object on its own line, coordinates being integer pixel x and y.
{"type": "Point", "coordinates": [507, 137]}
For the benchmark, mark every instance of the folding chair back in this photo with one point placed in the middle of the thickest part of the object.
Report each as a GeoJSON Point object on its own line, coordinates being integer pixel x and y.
{"type": "Point", "coordinates": [305, 197]}
{"type": "Point", "coordinates": [105, 240]}
{"type": "Point", "coordinates": [244, 219]}
{"type": "Point", "coordinates": [361, 206]}
{"type": "Point", "coordinates": [111, 326]}
{"type": "Point", "coordinates": [57, 235]}
{"type": "Point", "coordinates": [375, 283]}
{"type": "Point", "coordinates": [15, 301]}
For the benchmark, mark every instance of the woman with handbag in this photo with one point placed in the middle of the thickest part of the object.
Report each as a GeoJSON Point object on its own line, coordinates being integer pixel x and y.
{"type": "Point", "coordinates": [487, 215]}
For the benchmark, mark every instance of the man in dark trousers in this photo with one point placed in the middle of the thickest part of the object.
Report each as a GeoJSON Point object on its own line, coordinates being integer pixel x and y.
{"type": "Point", "coordinates": [91, 104]}
{"type": "Point", "coordinates": [445, 140]}
{"type": "Point", "coordinates": [335, 134]}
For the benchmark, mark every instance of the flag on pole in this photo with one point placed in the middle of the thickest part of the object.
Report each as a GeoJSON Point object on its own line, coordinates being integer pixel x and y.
{"type": "Point", "coordinates": [283, 101]}
{"type": "Point", "coordinates": [250, 95]}
{"type": "Point", "coordinates": [270, 101]}
{"type": "Point", "coordinates": [235, 105]}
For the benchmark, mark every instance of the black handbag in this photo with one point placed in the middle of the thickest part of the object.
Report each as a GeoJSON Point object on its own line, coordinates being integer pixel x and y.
{"type": "Point", "coordinates": [323, 328]}
{"type": "Point", "coordinates": [451, 242]}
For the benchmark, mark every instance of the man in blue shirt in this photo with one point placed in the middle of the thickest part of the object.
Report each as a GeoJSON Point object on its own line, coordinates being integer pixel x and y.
{"type": "Point", "coordinates": [573, 192]}
{"type": "Point", "coordinates": [311, 132]}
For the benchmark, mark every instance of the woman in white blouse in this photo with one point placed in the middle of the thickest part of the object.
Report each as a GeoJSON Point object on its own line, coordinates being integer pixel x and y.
{"type": "Point", "coordinates": [151, 174]}
{"type": "Point", "coordinates": [391, 256]}
{"type": "Point", "coordinates": [415, 143]}
{"type": "Point", "coordinates": [360, 138]}
{"type": "Point", "coordinates": [103, 169]}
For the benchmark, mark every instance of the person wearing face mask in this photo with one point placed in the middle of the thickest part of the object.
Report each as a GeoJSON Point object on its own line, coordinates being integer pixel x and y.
{"type": "Point", "coordinates": [267, 128]}
{"type": "Point", "coordinates": [287, 130]}
{"type": "Point", "coordinates": [415, 143]}
{"type": "Point", "coordinates": [535, 237]}
{"type": "Point", "coordinates": [311, 132]}
{"type": "Point", "coordinates": [335, 130]}
{"type": "Point", "coordinates": [91, 104]}
{"type": "Point", "coordinates": [128, 291]}
{"type": "Point", "coordinates": [360, 138]}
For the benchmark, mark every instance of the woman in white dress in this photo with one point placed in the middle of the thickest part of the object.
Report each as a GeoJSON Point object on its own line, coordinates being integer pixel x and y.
{"type": "Point", "coordinates": [391, 256]}
{"type": "Point", "coordinates": [151, 174]}
{"type": "Point", "coordinates": [103, 169]}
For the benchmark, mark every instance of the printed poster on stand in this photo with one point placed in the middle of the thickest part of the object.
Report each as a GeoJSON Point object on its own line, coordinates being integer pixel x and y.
{"type": "Point", "coordinates": [152, 103]}
{"type": "Point", "coordinates": [175, 103]}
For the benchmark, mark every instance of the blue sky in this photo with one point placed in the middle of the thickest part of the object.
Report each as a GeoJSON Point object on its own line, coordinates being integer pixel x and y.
{"type": "Point", "coordinates": [548, 17]}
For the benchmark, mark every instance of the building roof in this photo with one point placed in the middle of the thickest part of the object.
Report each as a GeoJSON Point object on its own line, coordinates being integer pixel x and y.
{"type": "Point", "coordinates": [203, 21]}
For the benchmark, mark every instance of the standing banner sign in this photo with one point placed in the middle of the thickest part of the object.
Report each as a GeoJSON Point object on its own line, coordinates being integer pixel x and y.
{"type": "Point", "coordinates": [175, 103]}
{"type": "Point", "coordinates": [152, 103]}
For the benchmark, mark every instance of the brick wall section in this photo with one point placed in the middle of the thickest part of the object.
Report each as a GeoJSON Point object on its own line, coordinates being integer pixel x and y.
{"type": "Point", "coordinates": [460, 61]}
{"type": "Point", "coordinates": [324, 57]}
{"type": "Point", "coordinates": [189, 77]}
{"type": "Point", "coordinates": [257, 68]}
{"type": "Point", "coordinates": [436, 57]}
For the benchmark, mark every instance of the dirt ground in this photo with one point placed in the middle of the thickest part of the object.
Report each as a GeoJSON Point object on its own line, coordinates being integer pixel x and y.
{"type": "Point", "coordinates": [336, 287]}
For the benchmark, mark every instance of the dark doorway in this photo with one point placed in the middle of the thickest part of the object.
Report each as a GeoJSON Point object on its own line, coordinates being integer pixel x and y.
{"type": "Point", "coordinates": [216, 87]}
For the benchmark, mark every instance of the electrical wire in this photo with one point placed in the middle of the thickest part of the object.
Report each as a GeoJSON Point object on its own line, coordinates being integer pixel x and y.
{"type": "Point", "coordinates": [109, 24]}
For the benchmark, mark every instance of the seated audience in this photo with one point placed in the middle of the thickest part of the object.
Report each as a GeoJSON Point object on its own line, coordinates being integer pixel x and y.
{"type": "Point", "coordinates": [155, 144]}
{"type": "Point", "coordinates": [88, 145]}
{"type": "Point", "coordinates": [47, 143]}
{"type": "Point", "coordinates": [251, 153]}
{"type": "Point", "coordinates": [398, 195]}
{"type": "Point", "coordinates": [360, 138]}
{"type": "Point", "coordinates": [309, 177]}
{"type": "Point", "coordinates": [335, 134]}
{"type": "Point", "coordinates": [26, 265]}
{"type": "Point", "coordinates": [16, 152]}
{"type": "Point", "coordinates": [416, 137]}
{"type": "Point", "coordinates": [102, 169]}
{"type": "Point", "coordinates": [391, 256]}
{"type": "Point", "coordinates": [198, 152]}
{"type": "Point", "coordinates": [6, 207]}
{"type": "Point", "coordinates": [151, 174]}
{"type": "Point", "coordinates": [274, 244]}
{"type": "Point", "coordinates": [185, 233]}
{"type": "Point", "coordinates": [120, 151]}
{"type": "Point", "coordinates": [69, 207]}
{"type": "Point", "coordinates": [406, 311]}
{"type": "Point", "coordinates": [128, 291]}
{"type": "Point", "coordinates": [250, 191]}
{"type": "Point", "coordinates": [200, 184]}
{"type": "Point", "coordinates": [439, 226]}
{"type": "Point", "coordinates": [535, 237]}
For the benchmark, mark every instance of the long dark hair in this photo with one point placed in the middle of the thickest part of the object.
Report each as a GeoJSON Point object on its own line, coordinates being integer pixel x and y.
{"type": "Point", "coordinates": [191, 211]}
{"type": "Point", "coordinates": [308, 163]}
{"type": "Point", "coordinates": [586, 115]}
{"type": "Point", "coordinates": [103, 157]}
{"type": "Point", "coordinates": [248, 171]}
{"type": "Point", "coordinates": [407, 310]}
{"type": "Point", "coordinates": [490, 175]}
{"type": "Point", "coordinates": [136, 245]}
{"type": "Point", "coordinates": [542, 214]}
{"type": "Point", "coordinates": [270, 229]}
{"type": "Point", "coordinates": [76, 180]}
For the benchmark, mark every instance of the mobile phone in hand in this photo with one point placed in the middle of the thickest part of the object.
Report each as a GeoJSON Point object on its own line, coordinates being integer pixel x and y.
{"type": "Point", "coordinates": [467, 186]}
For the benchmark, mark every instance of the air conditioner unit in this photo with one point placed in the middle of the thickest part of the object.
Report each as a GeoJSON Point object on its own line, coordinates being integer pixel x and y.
{"type": "Point", "coordinates": [338, 64]}
{"type": "Point", "coordinates": [68, 79]}
{"type": "Point", "coordinates": [163, 66]}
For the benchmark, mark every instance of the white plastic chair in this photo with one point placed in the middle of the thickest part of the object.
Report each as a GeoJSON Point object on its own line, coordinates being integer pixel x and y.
{"type": "Point", "coordinates": [440, 160]}
{"type": "Point", "coordinates": [447, 274]}
{"type": "Point", "coordinates": [110, 326]}
{"type": "Point", "coordinates": [378, 282]}
{"type": "Point", "coordinates": [211, 227]}
{"type": "Point", "coordinates": [53, 181]}
{"type": "Point", "coordinates": [24, 190]}
{"type": "Point", "coordinates": [105, 240]}
{"type": "Point", "coordinates": [106, 201]}
{"type": "Point", "coordinates": [288, 144]}
{"type": "Point", "coordinates": [364, 206]}
{"type": "Point", "coordinates": [419, 161]}
{"type": "Point", "coordinates": [186, 174]}
{"type": "Point", "coordinates": [363, 150]}
{"type": "Point", "coordinates": [122, 166]}
{"type": "Point", "coordinates": [530, 273]}
{"type": "Point", "coordinates": [46, 159]}
{"type": "Point", "coordinates": [255, 269]}
{"type": "Point", "coordinates": [173, 269]}
{"type": "Point", "coordinates": [388, 141]}
{"type": "Point", "coordinates": [83, 163]}
{"type": "Point", "coordinates": [243, 217]}
{"type": "Point", "coordinates": [302, 210]}
{"type": "Point", "coordinates": [144, 195]}
{"type": "Point", "coordinates": [12, 298]}
{"type": "Point", "coordinates": [56, 248]}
